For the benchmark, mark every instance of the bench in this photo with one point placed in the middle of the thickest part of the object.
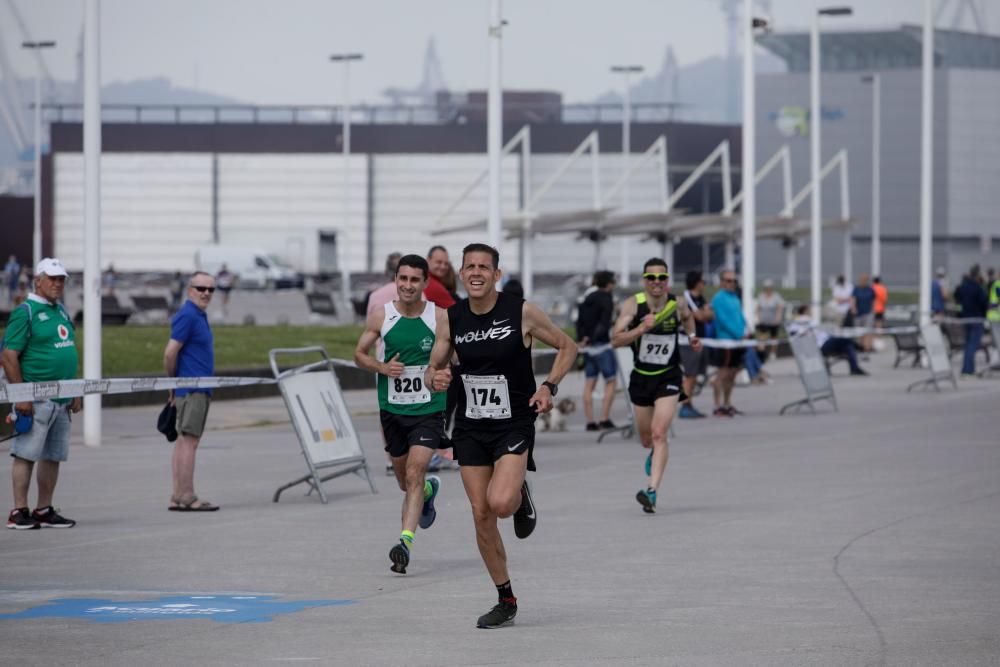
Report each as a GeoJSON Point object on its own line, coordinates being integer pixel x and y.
{"type": "Point", "coordinates": [112, 312]}
{"type": "Point", "coordinates": [954, 334]}
{"type": "Point", "coordinates": [907, 343]}
{"type": "Point", "coordinates": [321, 303]}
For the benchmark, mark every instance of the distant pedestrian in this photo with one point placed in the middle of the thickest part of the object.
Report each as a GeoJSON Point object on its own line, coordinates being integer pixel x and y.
{"type": "Point", "coordinates": [829, 346]}
{"type": "Point", "coordinates": [863, 310]}
{"type": "Point", "coordinates": [730, 326]}
{"type": "Point", "coordinates": [39, 345]}
{"type": "Point", "coordinates": [770, 310]}
{"type": "Point", "coordinates": [109, 281]}
{"type": "Point", "coordinates": [514, 288]}
{"type": "Point", "coordinates": [387, 292]}
{"type": "Point", "coordinates": [972, 302]}
{"type": "Point", "coordinates": [842, 292]}
{"type": "Point", "coordinates": [190, 352]}
{"type": "Point", "coordinates": [939, 293]}
{"type": "Point", "coordinates": [881, 301]}
{"type": "Point", "coordinates": [11, 272]}
{"type": "Point", "coordinates": [695, 363]}
{"type": "Point", "coordinates": [593, 331]}
{"type": "Point", "coordinates": [224, 281]}
{"type": "Point", "coordinates": [441, 270]}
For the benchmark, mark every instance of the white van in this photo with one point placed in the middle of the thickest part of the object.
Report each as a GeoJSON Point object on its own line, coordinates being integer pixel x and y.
{"type": "Point", "coordinates": [253, 267]}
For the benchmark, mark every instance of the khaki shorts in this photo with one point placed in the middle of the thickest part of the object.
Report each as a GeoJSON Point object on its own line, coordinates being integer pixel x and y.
{"type": "Point", "coordinates": [192, 411]}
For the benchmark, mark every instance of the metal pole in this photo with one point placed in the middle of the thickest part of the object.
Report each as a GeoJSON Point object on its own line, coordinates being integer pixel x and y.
{"type": "Point", "coordinates": [92, 219]}
{"type": "Point", "coordinates": [926, 163]}
{"type": "Point", "coordinates": [749, 272]}
{"type": "Point", "coordinates": [494, 125]}
{"type": "Point", "coordinates": [876, 175]}
{"type": "Point", "coordinates": [345, 273]}
{"type": "Point", "coordinates": [36, 243]}
{"type": "Point", "coordinates": [626, 158]}
{"type": "Point", "coordinates": [814, 118]}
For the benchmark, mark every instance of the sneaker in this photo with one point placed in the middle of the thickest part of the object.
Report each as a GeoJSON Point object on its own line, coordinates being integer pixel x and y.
{"type": "Point", "coordinates": [428, 513]}
{"type": "Point", "coordinates": [695, 413]}
{"type": "Point", "coordinates": [400, 557]}
{"type": "Point", "coordinates": [686, 412]}
{"type": "Point", "coordinates": [502, 614]}
{"type": "Point", "coordinates": [434, 464]}
{"type": "Point", "coordinates": [389, 472]}
{"type": "Point", "coordinates": [592, 426]}
{"type": "Point", "coordinates": [48, 517]}
{"type": "Point", "coordinates": [607, 424]}
{"type": "Point", "coordinates": [648, 500]}
{"type": "Point", "coordinates": [721, 412]}
{"type": "Point", "coordinates": [648, 467]}
{"type": "Point", "coordinates": [20, 519]}
{"type": "Point", "coordinates": [861, 371]}
{"type": "Point", "coordinates": [524, 519]}
{"type": "Point", "coordinates": [733, 412]}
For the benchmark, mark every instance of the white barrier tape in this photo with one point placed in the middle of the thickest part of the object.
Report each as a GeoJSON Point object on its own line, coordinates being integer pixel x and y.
{"type": "Point", "coordinates": [961, 320]}
{"type": "Point", "coordinates": [36, 391]}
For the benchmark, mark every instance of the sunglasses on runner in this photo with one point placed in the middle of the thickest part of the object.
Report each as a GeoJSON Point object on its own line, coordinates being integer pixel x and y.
{"type": "Point", "coordinates": [202, 288]}
{"type": "Point", "coordinates": [656, 277]}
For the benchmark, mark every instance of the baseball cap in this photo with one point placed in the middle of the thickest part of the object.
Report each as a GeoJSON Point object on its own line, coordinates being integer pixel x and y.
{"type": "Point", "coordinates": [51, 267]}
{"type": "Point", "coordinates": [768, 282]}
{"type": "Point", "coordinates": [940, 271]}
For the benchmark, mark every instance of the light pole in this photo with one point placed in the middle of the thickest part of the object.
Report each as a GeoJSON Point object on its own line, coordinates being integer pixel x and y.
{"type": "Point", "coordinates": [926, 162]}
{"type": "Point", "coordinates": [815, 114]}
{"type": "Point", "coordinates": [494, 125]}
{"type": "Point", "coordinates": [876, 82]}
{"type": "Point", "coordinates": [626, 71]}
{"type": "Point", "coordinates": [749, 169]}
{"type": "Point", "coordinates": [92, 218]}
{"type": "Point", "coordinates": [36, 245]}
{"type": "Point", "coordinates": [345, 274]}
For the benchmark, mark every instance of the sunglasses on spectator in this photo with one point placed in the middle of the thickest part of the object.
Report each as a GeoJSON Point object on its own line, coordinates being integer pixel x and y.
{"type": "Point", "coordinates": [657, 277]}
{"type": "Point", "coordinates": [729, 280]}
{"type": "Point", "coordinates": [202, 288]}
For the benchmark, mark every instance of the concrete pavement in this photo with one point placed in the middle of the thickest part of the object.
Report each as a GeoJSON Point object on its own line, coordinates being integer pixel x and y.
{"type": "Point", "coordinates": [866, 537]}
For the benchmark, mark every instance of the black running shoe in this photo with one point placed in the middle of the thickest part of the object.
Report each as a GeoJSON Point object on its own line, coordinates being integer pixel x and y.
{"type": "Point", "coordinates": [20, 519]}
{"type": "Point", "coordinates": [648, 501]}
{"type": "Point", "coordinates": [606, 424]}
{"type": "Point", "coordinates": [400, 557]}
{"type": "Point", "coordinates": [501, 615]}
{"type": "Point", "coordinates": [525, 517]}
{"type": "Point", "coordinates": [48, 517]}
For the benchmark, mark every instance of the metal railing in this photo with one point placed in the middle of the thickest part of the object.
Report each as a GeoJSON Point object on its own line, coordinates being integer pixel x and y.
{"type": "Point", "coordinates": [457, 113]}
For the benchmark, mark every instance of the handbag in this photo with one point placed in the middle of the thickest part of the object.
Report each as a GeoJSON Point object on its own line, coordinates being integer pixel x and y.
{"type": "Point", "coordinates": [166, 423]}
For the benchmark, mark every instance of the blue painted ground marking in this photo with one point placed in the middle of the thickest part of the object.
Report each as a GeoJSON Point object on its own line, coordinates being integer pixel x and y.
{"type": "Point", "coordinates": [218, 608]}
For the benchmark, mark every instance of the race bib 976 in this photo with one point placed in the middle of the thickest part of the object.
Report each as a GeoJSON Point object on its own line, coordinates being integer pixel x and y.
{"type": "Point", "coordinates": [656, 348]}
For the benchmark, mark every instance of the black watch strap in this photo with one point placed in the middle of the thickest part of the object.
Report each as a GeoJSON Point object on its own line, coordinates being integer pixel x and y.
{"type": "Point", "coordinates": [553, 388]}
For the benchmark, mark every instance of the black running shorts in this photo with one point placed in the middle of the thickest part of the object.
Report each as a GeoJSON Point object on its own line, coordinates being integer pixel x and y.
{"type": "Point", "coordinates": [475, 447]}
{"type": "Point", "coordinates": [643, 390]}
{"type": "Point", "coordinates": [727, 357]}
{"type": "Point", "coordinates": [404, 431]}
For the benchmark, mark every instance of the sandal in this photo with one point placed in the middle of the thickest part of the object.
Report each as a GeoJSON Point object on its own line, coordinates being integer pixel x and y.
{"type": "Point", "coordinates": [190, 506]}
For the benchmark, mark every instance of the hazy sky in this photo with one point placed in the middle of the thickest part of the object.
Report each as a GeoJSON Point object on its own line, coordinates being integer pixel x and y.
{"type": "Point", "coordinates": [271, 52]}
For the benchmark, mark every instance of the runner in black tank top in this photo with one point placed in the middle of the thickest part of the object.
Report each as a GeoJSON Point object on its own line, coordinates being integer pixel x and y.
{"type": "Point", "coordinates": [650, 323]}
{"type": "Point", "coordinates": [492, 334]}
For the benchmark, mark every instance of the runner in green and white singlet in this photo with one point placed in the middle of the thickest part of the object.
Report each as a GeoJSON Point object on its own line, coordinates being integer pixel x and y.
{"type": "Point", "coordinates": [412, 416]}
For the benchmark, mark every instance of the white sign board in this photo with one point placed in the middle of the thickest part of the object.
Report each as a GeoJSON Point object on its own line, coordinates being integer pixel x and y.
{"type": "Point", "coordinates": [321, 417]}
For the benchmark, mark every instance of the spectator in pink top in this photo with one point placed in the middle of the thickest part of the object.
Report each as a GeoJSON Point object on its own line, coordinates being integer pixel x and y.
{"type": "Point", "coordinates": [387, 292]}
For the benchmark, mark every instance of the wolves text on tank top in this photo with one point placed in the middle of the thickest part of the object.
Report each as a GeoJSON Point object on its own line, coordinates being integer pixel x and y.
{"type": "Point", "coordinates": [496, 366]}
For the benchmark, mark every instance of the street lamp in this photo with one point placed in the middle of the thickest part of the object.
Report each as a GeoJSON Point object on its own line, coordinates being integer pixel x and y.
{"type": "Point", "coordinates": [345, 274]}
{"type": "Point", "coordinates": [749, 169]}
{"type": "Point", "coordinates": [626, 71]}
{"type": "Point", "coordinates": [494, 125]}
{"type": "Point", "coordinates": [926, 161]}
{"type": "Point", "coordinates": [36, 245]}
{"type": "Point", "coordinates": [876, 82]}
{"type": "Point", "coordinates": [815, 114]}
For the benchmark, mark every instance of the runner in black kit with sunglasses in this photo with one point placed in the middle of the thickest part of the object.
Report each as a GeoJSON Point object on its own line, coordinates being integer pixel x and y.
{"type": "Point", "coordinates": [650, 323]}
{"type": "Point", "coordinates": [492, 333]}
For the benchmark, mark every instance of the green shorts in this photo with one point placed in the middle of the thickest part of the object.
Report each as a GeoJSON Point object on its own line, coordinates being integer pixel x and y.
{"type": "Point", "coordinates": [192, 411]}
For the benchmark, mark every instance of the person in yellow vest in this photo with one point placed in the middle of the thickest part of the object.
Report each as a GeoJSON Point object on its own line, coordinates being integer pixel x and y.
{"type": "Point", "coordinates": [993, 312]}
{"type": "Point", "coordinates": [650, 323]}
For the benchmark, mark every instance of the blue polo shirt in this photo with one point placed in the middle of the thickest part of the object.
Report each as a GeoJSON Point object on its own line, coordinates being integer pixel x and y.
{"type": "Point", "coordinates": [864, 298]}
{"type": "Point", "coordinates": [197, 357]}
{"type": "Point", "coordinates": [729, 322]}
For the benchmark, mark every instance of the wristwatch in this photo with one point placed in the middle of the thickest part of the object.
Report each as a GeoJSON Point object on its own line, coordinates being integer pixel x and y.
{"type": "Point", "coordinates": [553, 388]}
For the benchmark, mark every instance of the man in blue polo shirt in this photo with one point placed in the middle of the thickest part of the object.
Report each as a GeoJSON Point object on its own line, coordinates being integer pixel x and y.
{"type": "Point", "coordinates": [190, 353]}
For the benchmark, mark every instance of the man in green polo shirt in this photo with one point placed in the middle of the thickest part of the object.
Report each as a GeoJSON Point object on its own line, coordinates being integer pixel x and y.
{"type": "Point", "coordinates": [412, 416]}
{"type": "Point", "coordinates": [39, 345]}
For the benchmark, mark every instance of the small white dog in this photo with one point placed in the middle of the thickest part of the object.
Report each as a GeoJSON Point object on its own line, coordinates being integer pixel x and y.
{"type": "Point", "coordinates": [556, 418]}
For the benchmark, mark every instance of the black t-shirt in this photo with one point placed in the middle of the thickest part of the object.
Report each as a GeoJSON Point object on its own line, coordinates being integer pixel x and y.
{"type": "Point", "coordinates": [694, 304]}
{"type": "Point", "coordinates": [594, 318]}
{"type": "Point", "coordinates": [495, 365]}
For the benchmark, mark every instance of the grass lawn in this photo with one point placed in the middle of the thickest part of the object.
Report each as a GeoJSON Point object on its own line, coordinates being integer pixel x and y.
{"type": "Point", "coordinates": [139, 349]}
